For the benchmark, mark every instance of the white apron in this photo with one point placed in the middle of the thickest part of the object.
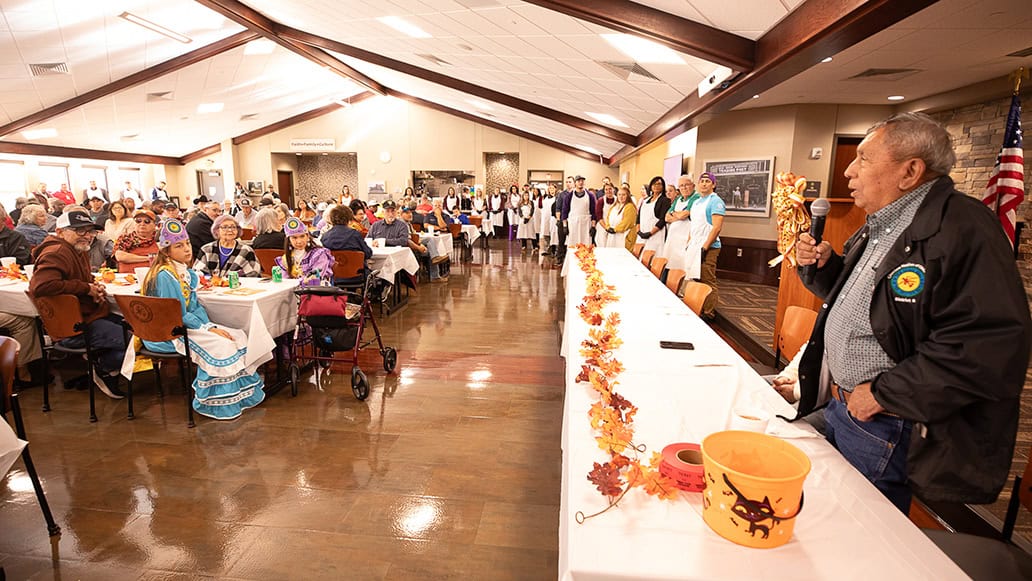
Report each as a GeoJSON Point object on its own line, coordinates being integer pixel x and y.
{"type": "Point", "coordinates": [605, 239]}
{"type": "Point", "coordinates": [525, 231]}
{"type": "Point", "coordinates": [677, 237]}
{"type": "Point", "coordinates": [647, 214]}
{"type": "Point", "coordinates": [490, 217]}
{"type": "Point", "coordinates": [579, 220]}
{"type": "Point", "coordinates": [700, 232]}
{"type": "Point", "coordinates": [451, 203]}
{"type": "Point", "coordinates": [514, 204]}
{"type": "Point", "coordinates": [600, 234]}
{"type": "Point", "coordinates": [547, 219]}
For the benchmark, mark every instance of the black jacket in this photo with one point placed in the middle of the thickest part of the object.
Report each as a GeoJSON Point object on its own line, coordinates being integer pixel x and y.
{"type": "Point", "coordinates": [960, 342]}
{"type": "Point", "coordinates": [199, 229]}
{"type": "Point", "coordinates": [13, 243]}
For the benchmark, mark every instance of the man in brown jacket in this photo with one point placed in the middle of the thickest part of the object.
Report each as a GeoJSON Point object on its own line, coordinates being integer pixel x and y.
{"type": "Point", "coordinates": [62, 268]}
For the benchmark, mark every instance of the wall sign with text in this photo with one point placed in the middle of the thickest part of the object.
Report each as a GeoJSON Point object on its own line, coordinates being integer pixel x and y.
{"type": "Point", "coordinates": [323, 144]}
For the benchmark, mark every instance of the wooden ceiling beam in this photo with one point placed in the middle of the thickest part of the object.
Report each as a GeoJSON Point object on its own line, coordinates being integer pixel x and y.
{"type": "Point", "coordinates": [477, 91]}
{"type": "Point", "coordinates": [77, 153]}
{"type": "Point", "coordinates": [257, 22]}
{"type": "Point", "coordinates": [200, 153]}
{"type": "Point", "coordinates": [683, 35]}
{"type": "Point", "coordinates": [814, 30]}
{"type": "Point", "coordinates": [149, 74]}
{"type": "Point", "coordinates": [500, 127]}
{"type": "Point", "coordinates": [300, 118]}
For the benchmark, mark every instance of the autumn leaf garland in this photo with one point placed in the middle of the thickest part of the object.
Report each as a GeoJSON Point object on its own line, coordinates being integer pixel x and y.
{"type": "Point", "coordinates": [612, 416]}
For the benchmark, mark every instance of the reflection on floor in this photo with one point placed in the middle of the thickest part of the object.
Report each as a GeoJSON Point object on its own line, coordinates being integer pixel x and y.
{"type": "Point", "coordinates": [451, 468]}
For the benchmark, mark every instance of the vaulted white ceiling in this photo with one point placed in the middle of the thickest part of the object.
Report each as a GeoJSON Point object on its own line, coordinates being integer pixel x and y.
{"type": "Point", "coordinates": [560, 64]}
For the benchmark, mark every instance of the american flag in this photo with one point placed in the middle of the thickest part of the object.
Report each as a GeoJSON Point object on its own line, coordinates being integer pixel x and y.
{"type": "Point", "coordinates": [1006, 188]}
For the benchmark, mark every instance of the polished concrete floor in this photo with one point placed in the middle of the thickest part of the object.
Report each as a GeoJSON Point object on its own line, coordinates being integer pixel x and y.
{"type": "Point", "coordinates": [450, 469]}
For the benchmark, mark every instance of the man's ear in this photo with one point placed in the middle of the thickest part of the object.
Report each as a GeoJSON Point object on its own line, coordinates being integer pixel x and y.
{"type": "Point", "coordinates": [913, 175]}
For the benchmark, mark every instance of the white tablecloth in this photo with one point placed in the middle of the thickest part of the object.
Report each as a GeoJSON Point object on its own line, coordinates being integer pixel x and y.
{"type": "Point", "coordinates": [847, 530]}
{"type": "Point", "coordinates": [438, 245]}
{"type": "Point", "coordinates": [471, 232]}
{"type": "Point", "coordinates": [392, 259]}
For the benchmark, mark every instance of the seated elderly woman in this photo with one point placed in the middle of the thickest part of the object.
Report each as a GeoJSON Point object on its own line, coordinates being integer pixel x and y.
{"type": "Point", "coordinates": [343, 236]}
{"type": "Point", "coordinates": [227, 254]}
{"type": "Point", "coordinates": [31, 222]}
{"type": "Point", "coordinates": [136, 247]}
{"type": "Point", "coordinates": [268, 233]}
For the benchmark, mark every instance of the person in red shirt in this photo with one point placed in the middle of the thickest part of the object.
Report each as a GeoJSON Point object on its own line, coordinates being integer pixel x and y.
{"type": "Point", "coordinates": [65, 195]}
{"type": "Point", "coordinates": [137, 246]}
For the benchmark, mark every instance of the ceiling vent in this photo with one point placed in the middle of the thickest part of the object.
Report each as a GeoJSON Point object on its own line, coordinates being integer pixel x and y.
{"type": "Point", "coordinates": [249, 117]}
{"type": "Point", "coordinates": [161, 96]}
{"type": "Point", "coordinates": [628, 71]}
{"type": "Point", "coordinates": [48, 69]}
{"type": "Point", "coordinates": [434, 59]}
{"type": "Point", "coordinates": [885, 74]}
{"type": "Point", "coordinates": [1022, 53]}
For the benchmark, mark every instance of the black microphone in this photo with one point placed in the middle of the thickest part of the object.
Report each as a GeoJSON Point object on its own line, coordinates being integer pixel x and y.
{"type": "Point", "coordinates": [819, 211]}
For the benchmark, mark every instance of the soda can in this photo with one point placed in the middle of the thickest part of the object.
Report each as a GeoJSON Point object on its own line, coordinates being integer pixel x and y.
{"type": "Point", "coordinates": [234, 279]}
{"type": "Point", "coordinates": [277, 274]}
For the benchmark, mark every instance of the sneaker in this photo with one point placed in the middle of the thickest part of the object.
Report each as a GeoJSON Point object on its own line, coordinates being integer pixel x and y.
{"type": "Point", "coordinates": [109, 385]}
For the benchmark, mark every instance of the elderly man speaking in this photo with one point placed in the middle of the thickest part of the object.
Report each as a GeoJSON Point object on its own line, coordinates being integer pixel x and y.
{"type": "Point", "coordinates": [923, 341]}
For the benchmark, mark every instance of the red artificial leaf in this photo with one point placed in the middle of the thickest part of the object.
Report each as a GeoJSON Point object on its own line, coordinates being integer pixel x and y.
{"type": "Point", "coordinates": [606, 479]}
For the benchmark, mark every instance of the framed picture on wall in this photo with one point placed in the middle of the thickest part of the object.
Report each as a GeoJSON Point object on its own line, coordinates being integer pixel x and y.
{"type": "Point", "coordinates": [744, 185]}
{"type": "Point", "coordinates": [377, 188]}
{"type": "Point", "coordinates": [255, 187]}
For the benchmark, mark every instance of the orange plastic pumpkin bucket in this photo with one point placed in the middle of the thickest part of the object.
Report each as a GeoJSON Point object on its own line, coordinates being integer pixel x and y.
{"type": "Point", "coordinates": [754, 487]}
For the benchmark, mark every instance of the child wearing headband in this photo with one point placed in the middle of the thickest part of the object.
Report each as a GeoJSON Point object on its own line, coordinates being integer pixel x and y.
{"type": "Point", "coordinates": [303, 258]}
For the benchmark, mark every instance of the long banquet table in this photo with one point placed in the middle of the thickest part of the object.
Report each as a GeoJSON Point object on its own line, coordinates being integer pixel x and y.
{"type": "Point", "coordinates": [847, 530]}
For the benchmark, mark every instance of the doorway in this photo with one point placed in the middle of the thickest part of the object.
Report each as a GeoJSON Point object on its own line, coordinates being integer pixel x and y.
{"type": "Point", "coordinates": [209, 184]}
{"type": "Point", "coordinates": [285, 187]}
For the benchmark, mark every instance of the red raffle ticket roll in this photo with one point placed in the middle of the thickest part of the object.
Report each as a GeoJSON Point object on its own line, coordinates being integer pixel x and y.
{"type": "Point", "coordinates": [682, 463]}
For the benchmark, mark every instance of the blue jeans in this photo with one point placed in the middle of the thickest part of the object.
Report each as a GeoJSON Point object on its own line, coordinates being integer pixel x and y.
{"type": "Point", "coordinates": [878, 449]}
{"type": "Point", "coordinates": [107, 341]}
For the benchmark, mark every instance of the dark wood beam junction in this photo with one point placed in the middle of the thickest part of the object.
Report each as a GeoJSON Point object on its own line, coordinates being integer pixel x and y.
{"type": "Point", "coordinates": [200, 153]}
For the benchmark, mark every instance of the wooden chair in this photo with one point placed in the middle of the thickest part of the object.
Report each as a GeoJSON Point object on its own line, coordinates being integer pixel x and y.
{"type": "Point", "coordinates": [414, 237]}
{"type": "Point", "coordinates": [674, 277]}
{"type": "Point", "coordinates": [8, 364]}
{"type": "Point", "coordinates": [646, 257]}
{"type": "Point", "coordinates": [658, 266]}
{"type": "Point", "coordinates": [990, 558]}
{"type": "Point", "coordinates": [795, 332]}
{"type": "Point", "coordinates": [458, 240]}
{"type": "Point", "coordinates": [267, 258]}
{"type": "Point", "coordinates": [159, 319]}
{"type": "Point", "coordinates": [477, 221]}
{"type": "Point", "coordinates": [61, 318]}
{"type": "Point", "coordinates": [247, 233]}
{"type": "Point", "coordinates": [695, 294]}
{"type": "Point", "coordinates": [636, 251]}
{"type": "Point", "coordinates": [348, 264]}
{"type": "Point", "coordinates": [417, 226]}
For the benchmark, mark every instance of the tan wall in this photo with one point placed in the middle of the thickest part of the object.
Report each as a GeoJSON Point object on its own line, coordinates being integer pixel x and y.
{"type": "Point", "coordinates": [416, 138]}
{"type": "Point", "coordinates": [641, 168]}
{"type": "Point", "coordinates": [149, 173]}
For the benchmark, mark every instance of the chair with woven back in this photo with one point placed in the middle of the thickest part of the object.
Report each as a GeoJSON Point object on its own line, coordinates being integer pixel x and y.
{"type": "Point", "coordinates": [60, 317]}
{"type": "Point", "coordinates": [647, 256]}
{"type": "Point", "coordinates": [8, 364]}
{"type": "Point", "coordinates": [795, 332]}
{"type": "Point", "coordinates": [695, 294]}
{"type": "Point", "coordinates": [158, 319]}
{"type": "Point", "coordinates": [636, 251]}
{"type": "Point", "coordinates": [267, 258]}
{"type": "Point", "coordinates": [658, 266]}
{"type": "Point", "coordinates": [674, 278]}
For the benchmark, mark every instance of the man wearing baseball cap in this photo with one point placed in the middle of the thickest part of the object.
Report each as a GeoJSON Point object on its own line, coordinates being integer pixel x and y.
{"type": "Point", "coordinates": [245, 217]}
{"type": "Point", "coordinates": [62, 268]}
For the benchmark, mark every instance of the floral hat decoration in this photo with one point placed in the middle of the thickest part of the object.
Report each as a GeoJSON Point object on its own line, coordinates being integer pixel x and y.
{"type": "Point", "coordinates": [293, 226]}
{"type": "Point", "coordinates": [172, 231]}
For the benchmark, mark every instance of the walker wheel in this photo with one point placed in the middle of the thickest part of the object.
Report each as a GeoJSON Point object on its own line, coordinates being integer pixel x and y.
{"type": "Point", "coordinates": [390, 359]}
{"type": "Point", "coordinates": [295, 377]}
{"type": "Point", "coordinates": [359, 384]}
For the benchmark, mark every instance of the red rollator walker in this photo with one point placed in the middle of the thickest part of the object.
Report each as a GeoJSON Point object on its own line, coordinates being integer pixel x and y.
{"type": "Point", "coordinates": [331, 320]}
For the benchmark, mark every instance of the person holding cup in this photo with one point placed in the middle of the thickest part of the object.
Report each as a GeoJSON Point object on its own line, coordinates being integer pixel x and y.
{"type": "Point", "coordinates": [138, 246]}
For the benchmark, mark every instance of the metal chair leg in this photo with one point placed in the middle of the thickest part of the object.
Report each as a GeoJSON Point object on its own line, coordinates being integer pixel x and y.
{"type": "Point", "coordinates": [30, 468]}
{"type": "Point", "coordinates": [93, 389]}
{"type": "Point", "coordinates": [46, 381]}
{"type": "Point", "coordinates": [129, 396]}
{"type": "Point", "coordinates": [157, 377]}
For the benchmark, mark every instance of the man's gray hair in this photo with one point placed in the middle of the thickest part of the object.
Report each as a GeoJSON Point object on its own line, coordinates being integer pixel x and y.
{"type": "Point", "coordinates": [31, 213]}
{"type": "Point", "coordinates": [916, 135]}
{"type": "Point", "coordinates": [266, 221]}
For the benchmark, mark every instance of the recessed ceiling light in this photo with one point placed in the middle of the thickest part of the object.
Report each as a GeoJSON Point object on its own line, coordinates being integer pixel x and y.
{"type": "Point", "coordinates": [755, 96]}
{"type": "Point", "coordinates": [896, 97]}
{"type": "Point", "coordinates": [130, 17]}
{"type": "Point", "coordinates": [826, 59]}
{"type": "Point", "coordinates": [404, 26]}
{"type": "Point", "coordinates": [39, 133]}
{"type": "Point", "coordinates": [479, 104]}
{"type": "Point", "coordinates": [210, 107]}
{"type": "Point", "coordinates": [260, 46]}
{"type": "Point", "coordinates": [642, 50]}
{"type": "Point", "coordinates": [299, 154]}
{"type": "Point", "coordinates": [607, 119]}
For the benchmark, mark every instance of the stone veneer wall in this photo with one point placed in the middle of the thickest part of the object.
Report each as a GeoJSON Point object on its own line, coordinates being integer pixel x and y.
{"type": "Point", "coordinates": [325, 175]}
{"type": "Point", "coordinates": [978, 133]}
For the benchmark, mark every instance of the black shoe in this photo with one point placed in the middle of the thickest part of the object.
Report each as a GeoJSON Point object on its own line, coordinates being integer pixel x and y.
{"type": "Point", "coordinates": [79, 383]}
{"type": "Point", "coordinates": [109, 385]}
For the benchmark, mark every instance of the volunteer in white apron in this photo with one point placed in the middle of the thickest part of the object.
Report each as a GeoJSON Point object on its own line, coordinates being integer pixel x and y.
{"type": "Point", "coordinates": [679, 226]}
{"type": "Point", "coordinates": [707, 220]}
{"type": "Point", "coordinates": [602, 208]}
{"type": "Point", "coordinates": [451, 201]}
{"type": "Point", "coordinates": [513, 206]}
{"type": "Point", "coordinates": [652, 213]}
{"type": "Point", "coordinates": [579, 214]}
{"type": "Point", "coordinates": [617, 228]}
{"type": "Point", "coordinates": [546, 224]}
{"type": "Point", "coordinates": [495, 219]}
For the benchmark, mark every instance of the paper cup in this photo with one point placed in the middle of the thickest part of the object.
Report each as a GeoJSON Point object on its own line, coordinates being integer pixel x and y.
{"type": "Point", "coordinates": [7, 261]}
{"type": "Point", "coordinates": [140, 272]}
{"type": "Point", "coordinates": [27, 269]}
{"type": "Point", "coordinates": [380, 242]}
{"type": "Point", "coordinates": [749, 419]}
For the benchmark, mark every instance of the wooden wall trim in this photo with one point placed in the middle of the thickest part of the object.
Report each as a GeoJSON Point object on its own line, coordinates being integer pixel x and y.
{"type": "Point", "coordinates": [77, 153]}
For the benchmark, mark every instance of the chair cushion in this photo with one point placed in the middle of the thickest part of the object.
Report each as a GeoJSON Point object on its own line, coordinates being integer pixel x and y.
{"type": "Point", "coordinates": [982, 557]}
